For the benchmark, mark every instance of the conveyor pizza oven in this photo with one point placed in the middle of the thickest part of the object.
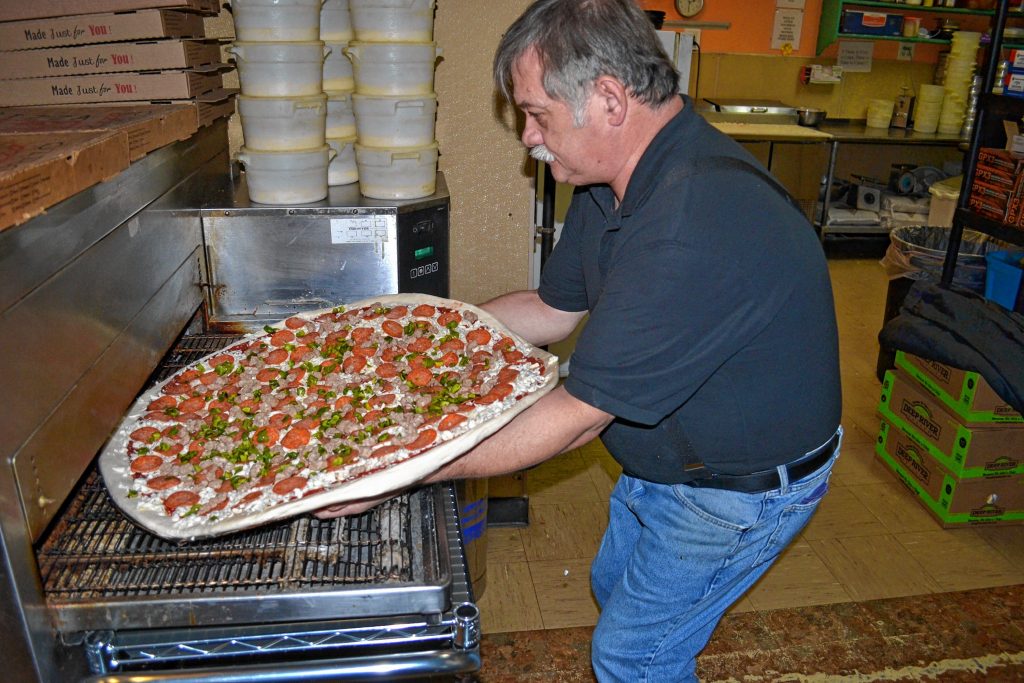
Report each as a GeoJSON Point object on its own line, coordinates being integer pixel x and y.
{"type": "Point", "coordinates": [101, 297]}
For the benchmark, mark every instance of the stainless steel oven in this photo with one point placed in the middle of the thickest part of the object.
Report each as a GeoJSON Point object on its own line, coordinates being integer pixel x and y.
{"type": "Point", "coordinates": [114, 289]}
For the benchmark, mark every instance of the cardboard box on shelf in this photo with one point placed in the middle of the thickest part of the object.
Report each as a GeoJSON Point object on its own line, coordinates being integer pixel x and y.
{"type": "Point", "coordinates": [215, 105]}
{"type": "Point", "coordinates": [951, 500]}
{"type": "Point", "coordinates": [38, 170]}
{"type": "Point", "coordinates": [967, 450]}
{"type": "Point", "coordinates": [82, 60]}
{"type": "Point", "coordinates": [148, 126]}
{"type": "Point", "coordinates": [966, 393]}
{"type": "Point", "coordinates": [129, 86]}
{"type": "Point", "coordinates": [42, 9]}
{"type": "Point", "coordinates": [84, 29]}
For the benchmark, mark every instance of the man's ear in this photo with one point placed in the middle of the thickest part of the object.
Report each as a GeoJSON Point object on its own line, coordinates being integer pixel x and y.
{"type": "Point", "coordinates": [612, 96]}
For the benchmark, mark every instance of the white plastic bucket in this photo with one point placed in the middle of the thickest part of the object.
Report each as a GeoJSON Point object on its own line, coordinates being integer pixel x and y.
{"type": "Point", "coordinates": [279, 69]}
{"type": "Point", "coordinates": [400, 173]}
{"type": "Point", "coordinates": [343, 169]}
{"type": "Point", "coordinates": [336, 22]}
{"type": "Point", "coordinates": [276, 20]}
{"type": "Point", "coordinates": [283, 123]}
{"type": "Point", "coordinates": [396, 120]}
{"type": "Point", "coordinates": [341, 120]}
{"type": "Point", "coordinates": [338, 69]}
{"type": "Point", "coordinates": [397, 21]}
{"type": "Point", "coordinates": [296, 177]}
{"type": "Point", "coordinates": [393, 68]}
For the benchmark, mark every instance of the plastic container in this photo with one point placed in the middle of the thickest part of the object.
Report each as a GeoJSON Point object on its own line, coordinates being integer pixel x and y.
{"type": "Point", "coordinates": [342, 169]}
{"type": "Point", "coordinates": [336, 22]}
{"type": "Point", "coordinates": [337, 69]}
{"type": "Point", "coordinates": [944, 195]}
{"type": "Point", "coordinates": [395, 121]}
{"type": "Point", "coordinates": [283, 123]}
{"type": "Point", "coordinates": [280, 69]}
{"type": "Point", "coordinates": [276, 20]}
{"type": "Point", "coordinates": [341, 121]}
{"type": "Point", "coordinates": [399, 173]}
{"type": "Point", "coordinates": [1003, 279]}
{"type": "Point", "coordinates": [297, 177]}
{"type": "Point", "coordinates": [393, 68]}
{"type": "Point", "coordinates": [393, 21]}
{"type": "Point", "coordinates": [879, 113]}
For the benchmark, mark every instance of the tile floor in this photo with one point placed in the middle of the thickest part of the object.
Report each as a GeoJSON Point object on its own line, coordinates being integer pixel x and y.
{"type": "Point", "coordinates": [869, 540]}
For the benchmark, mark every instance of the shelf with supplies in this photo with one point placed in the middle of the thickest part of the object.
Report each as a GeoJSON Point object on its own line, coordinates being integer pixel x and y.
{"type": "Point", "coordinates": [830, 24]}
{"type": "Point", "coordinates": [993, 228]}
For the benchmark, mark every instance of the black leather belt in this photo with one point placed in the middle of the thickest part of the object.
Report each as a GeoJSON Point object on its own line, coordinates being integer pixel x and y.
{"type": "Point", "coordinates": [766, 480]}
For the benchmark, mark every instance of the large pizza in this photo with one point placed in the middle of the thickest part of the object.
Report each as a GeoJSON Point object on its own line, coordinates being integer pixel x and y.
{"type": "Point", "coordinates": [322, 408]}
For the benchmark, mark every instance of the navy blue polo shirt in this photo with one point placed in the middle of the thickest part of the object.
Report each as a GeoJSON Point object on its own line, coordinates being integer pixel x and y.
{"type": "Point", "coordinates": [711, 334]}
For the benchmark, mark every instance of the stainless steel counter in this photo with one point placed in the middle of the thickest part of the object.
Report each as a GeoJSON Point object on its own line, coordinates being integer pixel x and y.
{"type": "Point", "coordinates": [855, 131]}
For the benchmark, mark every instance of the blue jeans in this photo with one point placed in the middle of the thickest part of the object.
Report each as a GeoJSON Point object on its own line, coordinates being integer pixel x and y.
{"type": "Point", "coordinates": [674, 558]}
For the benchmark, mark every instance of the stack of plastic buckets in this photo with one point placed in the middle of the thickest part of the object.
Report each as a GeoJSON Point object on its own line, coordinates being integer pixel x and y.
{"type": "Point", "coordinates": [394, 104]}
{"type": "Point", "coordinates": [282, 106]}
{"type": "Point", "coordinates": [959, 73]}
{"type": "Point", "coordinates": [339, 83]}
{"type": "Point", "coordinates": [929, 105]}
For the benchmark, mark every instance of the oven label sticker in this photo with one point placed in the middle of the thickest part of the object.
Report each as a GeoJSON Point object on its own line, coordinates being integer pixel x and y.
{"type": "Point", "coordinates": [359, 230]}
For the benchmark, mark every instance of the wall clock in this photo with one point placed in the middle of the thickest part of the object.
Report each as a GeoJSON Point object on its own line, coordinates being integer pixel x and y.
{"type": "Point", "coordinates": [689, 8]}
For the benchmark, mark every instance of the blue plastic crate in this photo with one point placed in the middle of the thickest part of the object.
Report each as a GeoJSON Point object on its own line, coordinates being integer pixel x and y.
{"type": "Point", "coordinates": [1003, 277]}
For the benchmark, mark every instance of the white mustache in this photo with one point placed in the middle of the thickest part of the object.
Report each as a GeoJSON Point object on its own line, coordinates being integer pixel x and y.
{"type": "Point", "coordinates": [542, 153]}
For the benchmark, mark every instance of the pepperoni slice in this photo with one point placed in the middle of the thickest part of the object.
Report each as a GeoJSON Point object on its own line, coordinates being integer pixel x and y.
{"type": "Point", "coordinates": [450, 359]}
{"type": "Point", "coordinates": [294, 323]}
{"type": "Point", "coordinates": [381, 400]}
{"type": "Point", "coordinates": [177, 388]}
{"type": "Point", "coordinates": [223, 358]}
{"type": "Point", "coordinates": [424, 311]}
{"type": "Point", "coordinates": [482, 356]}
{"type": "Point", "coordinates": [362, 334]}
{"type": "Point", "coordinates": [420, 344]}
{"type": "Point", "coordinates": [382, 451]}
{"type": "Point", "coordinates": [453, 345]}
{"type": "Point", "coordinates": [389, 354]}
{"type": "Point", "coordinates": [282, 337]}
{"type": "Point", "coordinates": [365, 351]}
{"type": "Point", "coordinates": [146, 463]}
{"type": "Point", "coordinates": [188, 376]}
{"type": "Point", "coordinates": [501, 390]}
{"type": "Point", "coordinates": [387, 370]}
{"type": "Point", "coordinates": [422, 440]}
{"type": "Point", "coordinates": [451, 421]}
{"type": "Point", "coordinates": [479, 336]}
{"type": "Point", "coordinates": [296, 437]}
{"type": "Point", "coordinates": [420, 376]}
{"type": "Point", "coordinates": [276, 357]}
{"type": "Point", "coordinates": [449, 317]}
{"type": "Point", "coordinates": [248, 498]}
{"type": "Point", "coordinates": [192, 405]}
{"type": "Point", "coordinates": [507, 374]}
{"type": "Point", "coordinates": [266, 436]}
{"type": "Point", "coordinates": [353, 364]}
{"type": "Point", "coordinates": [267, 374]}
{"type": "Point", "coordinates": [144, 434]}
{"type": "Point", "coordinates": [511, 356]}
{"type": "Point", "coordinates": [397, 312]}
{"type": "Point", "coordinates": [208, 378]}
{"type": "Point", "coordinates": [392, 329]}
{"type": "Point", "coordinates": [163, 482]}
{"type": "Point", "coordinates": [163, 403]}
{"type": "Point", "coordinates": [308, 423]}
{"type": "Point", "coordinates": [342, 402]}
{"type": "Point", "coordinates": [300, 352]}
{"type": "Point", "coordinates": [180, 499]}
{"type": "Point", "coordinates": [216, 507]}
{"type": "Point", "coordinates": [289, 484]}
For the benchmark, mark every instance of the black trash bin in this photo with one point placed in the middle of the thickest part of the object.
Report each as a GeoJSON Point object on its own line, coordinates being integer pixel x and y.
{"type": "Point", "coordinates": [917, 253]}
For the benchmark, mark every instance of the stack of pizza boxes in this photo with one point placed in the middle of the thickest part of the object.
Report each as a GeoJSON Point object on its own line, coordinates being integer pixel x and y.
{"type": "Point", "coordinates": [148, 51]}
{"type": "Point", "coordinates": [953, 442]}
{"type": "Point", "coordinates": [997, 191]}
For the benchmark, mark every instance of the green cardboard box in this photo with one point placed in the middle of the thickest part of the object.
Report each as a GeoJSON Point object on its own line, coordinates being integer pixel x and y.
{"type": "Point", "coordinates": [966, 393]}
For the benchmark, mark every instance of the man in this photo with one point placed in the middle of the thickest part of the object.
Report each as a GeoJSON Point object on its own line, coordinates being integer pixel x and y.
{"type": "Point", "coordinates": [709, 363]}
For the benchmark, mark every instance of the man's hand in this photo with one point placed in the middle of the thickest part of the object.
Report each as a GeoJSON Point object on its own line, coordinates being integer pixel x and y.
{"type": "Point", "coordinates": [354, 507]}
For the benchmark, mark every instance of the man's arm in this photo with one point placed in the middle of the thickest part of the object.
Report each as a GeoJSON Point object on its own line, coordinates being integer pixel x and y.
{"type": "Point", "coordinates": [525, 314]}
{"type": "Point", "coordinates": [556, 423]}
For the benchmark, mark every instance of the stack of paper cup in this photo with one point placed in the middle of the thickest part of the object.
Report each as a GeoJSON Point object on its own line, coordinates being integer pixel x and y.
{"type": "Point", "coordinates": [928, 107]}
{"type": "Point", "coordinates": [880, 113]}
{"type": "Point", "coordinates": [339, 84]}
{"type": "Point", "coordinates": [960, 68]}
{"type": "Point", "coordinates": [282, 107]}
{"type": "Point", "coordinates": [393, 58]}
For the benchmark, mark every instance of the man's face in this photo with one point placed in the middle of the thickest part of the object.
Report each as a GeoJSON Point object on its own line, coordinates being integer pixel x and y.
{"type": "Point", "coordinates": [573, 152]}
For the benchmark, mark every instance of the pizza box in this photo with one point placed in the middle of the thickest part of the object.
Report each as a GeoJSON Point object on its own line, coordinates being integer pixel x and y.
{"type": "Point", "coordinates": [85, 29]}
{"type": "Point", "coordinates": [208, 107]}
{"type": "Point", "coordinates": [150, 55]}
{"type": "Point", "coordinates": [967, 450]}
{"type": "Point", "coordinates": [951, 500]}
{"type": "Point", "coordinates": [37, 170]}
{"type": "Point", "coordinates": [965, 393]}
{"type": "Point", "coordinates": [148, 126]}
{"type": "Point", "coordinates": [40, 9]}
{"type": "Point", "coordinates": [130, 86]}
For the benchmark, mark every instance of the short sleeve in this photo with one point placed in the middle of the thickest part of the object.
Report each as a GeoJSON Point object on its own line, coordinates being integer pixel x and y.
{"type": "Point", "coordinates": [562, 285]}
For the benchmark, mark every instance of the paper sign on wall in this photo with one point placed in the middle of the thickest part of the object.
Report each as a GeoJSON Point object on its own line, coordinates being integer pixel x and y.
{"type": "Point", "coordinates": [790, 4]}
{"type": "Point", "coordinates": [786, 29]}
{"type": "Point", "coordinates": [855, 55]}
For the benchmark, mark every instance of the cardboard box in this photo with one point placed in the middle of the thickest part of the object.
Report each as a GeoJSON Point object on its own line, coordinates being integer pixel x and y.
{"type": "Point", "coordinates": [972, 450]}
{"type": "Point", "coordinates": [994, 176]}
{"type": "Point", "coordinates": [966, 393]}
{"type": "Point", "coordinates": [993, 157]}
{"type": "Point", "coordinates": [148, 126]}
{"type": "Point", "coordinates": [153, 55]}
{"type": "Point", "coordinates": [871, 23]}
{"type": "Point", "coordinates": [951, 500]}
{"type": "Point", "coordinates": [38, 170]}
{"type": "Point", "coordinates": [85, 29]}
{"type": "Point", "coordinates": [40, 9]}
{"type": "Point", "coordinates": [123, 87]}
{"type": "Point", "coordinates": [215, 105]}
